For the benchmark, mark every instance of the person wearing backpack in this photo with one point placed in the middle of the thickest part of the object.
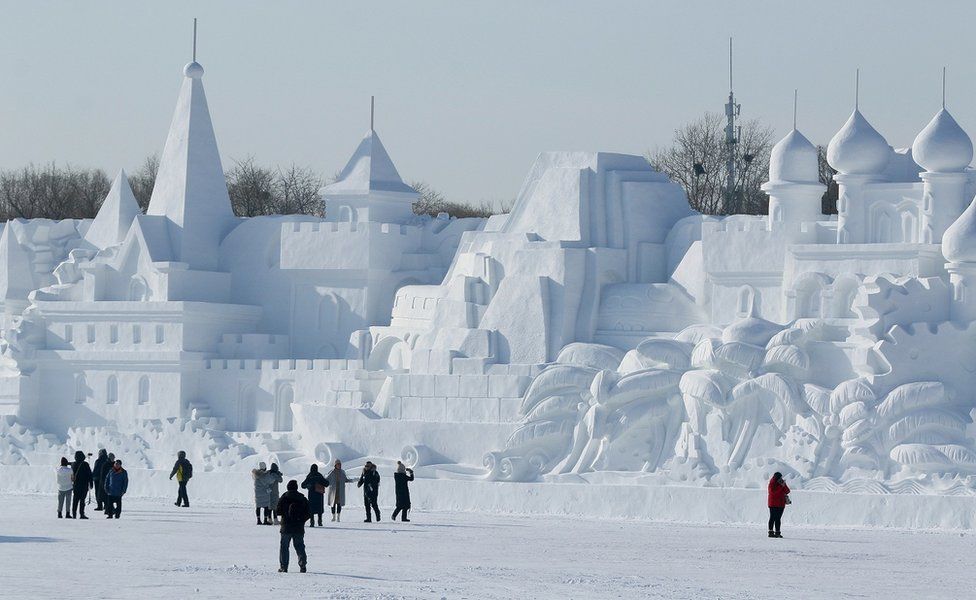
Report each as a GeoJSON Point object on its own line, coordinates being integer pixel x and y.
{"type": "Point", "coordinates": [778, 497]}
{"type": "Point", "coordinates": [315, 483]}
{"type": "Point", "coordinates": [82, 481]}
{"type": "Point", "coordinates": [183, 471]}
{"type": "Point", "coordinates": [292, 507]}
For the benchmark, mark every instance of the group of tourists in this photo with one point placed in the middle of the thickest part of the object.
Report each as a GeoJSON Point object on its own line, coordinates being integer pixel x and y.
{"type": "Point", "coordinates": [108, 481]}
{"type": "Point", "coordinates": [293, 509]}
{"type": "Point", "coordinates": [106, 478]}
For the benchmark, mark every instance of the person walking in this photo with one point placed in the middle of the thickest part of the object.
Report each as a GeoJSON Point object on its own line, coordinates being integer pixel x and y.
{"type": "Point", "coordinates": [274, 480]}
{"type": "Point", "coordinates": [64, 488]}
{"type": "Point", "coordinates": [369, 480]}
{"type": "Point", "coordinates": [116, 484]}
{"type": "Point", "coordinates": [262, 493]}
{"type": "Point", "coordinates": [183, 471]}
{"type": "Point", "coordinates": [315, 483]}
{"type": "Point", "coordinates": [99, 471]}
{"type": "Point", "coordinates": [293, 508]}
{"type": "Point", "coordinates": [337, 490]}
{"type": "Point", "coordinates": [81, 482]}
{"type": "Point", "coordinates": [402, 488]}
{"type": "Point", "coordinates": [777, 499]}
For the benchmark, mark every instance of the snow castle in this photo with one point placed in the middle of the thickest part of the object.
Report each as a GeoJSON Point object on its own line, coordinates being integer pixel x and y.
{"type": "Point", "coordinates": [600, 330]}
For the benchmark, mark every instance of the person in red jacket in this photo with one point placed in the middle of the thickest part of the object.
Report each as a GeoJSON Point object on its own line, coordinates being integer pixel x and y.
{"type": "Point", "coordinates": [777, 499]}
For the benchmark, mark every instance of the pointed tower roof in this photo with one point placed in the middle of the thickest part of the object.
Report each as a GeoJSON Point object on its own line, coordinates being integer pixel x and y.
{"type": "Point", "coordinates": [858, 148]}
{"type": "Point", "coordinates": [369, 170]}
{"type": "Point", "coordinates": [16, 280]}
{"type": "Point", "coordinates": [115, 215]}
{"type": "Point", "coordinates": [943, 146]}
{"type": "Point", "coordinates": [190, 189]}
{"type": "Point", "coordinates": [794, 160]}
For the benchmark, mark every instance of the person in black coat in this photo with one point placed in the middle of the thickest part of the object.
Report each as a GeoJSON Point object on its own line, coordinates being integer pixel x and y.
{"type": "Point", "coordinates": [400, 479]}
{"type": "Point", "coordinates": [183, 471]}
{"type": "Point", "coordinates": [293, 510]}
{"type": "Point", "coordinates": [370, 482]}
{"type": "Point", "coordinates": [315, 483]}
{"type": "Point", "coordinates": [83, 481]}
{"type": "Point", "coordinates": [99, 472]}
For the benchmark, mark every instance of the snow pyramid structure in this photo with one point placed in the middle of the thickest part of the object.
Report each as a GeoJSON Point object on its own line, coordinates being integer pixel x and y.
{"type": "Point", "coordinates": [115, 216]}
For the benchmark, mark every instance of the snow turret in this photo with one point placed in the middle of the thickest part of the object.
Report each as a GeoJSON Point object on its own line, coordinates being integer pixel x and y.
{"type": "Point", "coordinates": [115, 215]}
{"type": "Point", "coordinates": [369, 188]}
{"type": "Point", "coordinates": [794, 187]}
{"type": "Point", "coordinates": [860, 154]}
{"type": "Point", "coordinates": [959, 248]}
{"type": "Point", "coordinates": [944, 150]}
{"type": "Point", "coordinates": [858, 148]}
{"type": "Point", "coordinates": [190, 189]}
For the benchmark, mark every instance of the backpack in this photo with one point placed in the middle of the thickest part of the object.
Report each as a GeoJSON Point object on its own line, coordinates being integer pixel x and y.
{"type": "Point", "coordinates": [187, 470]}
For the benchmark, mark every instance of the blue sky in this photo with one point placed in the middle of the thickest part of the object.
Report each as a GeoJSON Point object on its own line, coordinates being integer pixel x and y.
{"type": "Point", "coordinates": [467, 92]}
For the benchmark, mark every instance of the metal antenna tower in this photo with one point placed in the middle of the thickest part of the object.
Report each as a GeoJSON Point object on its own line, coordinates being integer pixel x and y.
{"type": "Point", "coordinates": [731, 140]}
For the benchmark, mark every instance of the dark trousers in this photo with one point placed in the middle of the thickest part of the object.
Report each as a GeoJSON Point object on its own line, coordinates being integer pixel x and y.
{"type": "Point", "coordinates": [400, 511]}
{"type": "Point", "coordinates": [298, 539]}
{"type": "Point", "coordinates": [337, 508]}
{"type": "Point", "coordinates": [370, 502]}
{"type": "Point", "coordinates": [78, 502]}
{"type": "Point", "coordinates": [113, 506]}
{"type": "Point", "coordinates": [775, 515]}
{"type": "Point", "coordinates": [100, 497]}
{"type": "Point", "coordinates": [181, 495]}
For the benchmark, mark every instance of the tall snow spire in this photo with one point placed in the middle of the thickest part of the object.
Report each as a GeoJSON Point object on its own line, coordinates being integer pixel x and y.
{"type": "Point", "coordinates": [115, 215]}
{"type": "Point", "coordinates": [190, 189]}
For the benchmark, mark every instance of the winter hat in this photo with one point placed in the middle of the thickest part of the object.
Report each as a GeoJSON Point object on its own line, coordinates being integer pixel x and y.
{"type": "Point", "coordinates": [313, 469]}
{"type": "Point", "coordinates": [79, 455]}
{"type": "Point", "coordinates": [118, 462]}
{"type": "Point", "coordinates": [401, 468]}
{"type": "Point", "coordinates": [274, 467]}
{"type": "Point", "coordinates": [292, 485]}
{"type": "Point", "coordinates": [64, 462]}
{"type": "Point", "coordinates": [102, 452]}
{"type": "Point", "coordinates": [261, 465]}
{"type": "Point", "coordinates": [181, 454]}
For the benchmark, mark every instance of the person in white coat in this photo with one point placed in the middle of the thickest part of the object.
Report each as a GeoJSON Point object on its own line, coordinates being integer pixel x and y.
{"type": "Point", "coordinates": [64, 488]}
{"type": "Point", "coordinates": [337, 489]}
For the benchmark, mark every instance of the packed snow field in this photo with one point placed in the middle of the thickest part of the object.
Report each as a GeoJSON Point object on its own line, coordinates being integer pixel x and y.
{"type": "Point", "coordinates": [159, 551]}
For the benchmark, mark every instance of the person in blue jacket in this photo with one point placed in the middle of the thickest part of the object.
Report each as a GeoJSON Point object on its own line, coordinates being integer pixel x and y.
{"type": "Point", "coordinates": [116, 483]}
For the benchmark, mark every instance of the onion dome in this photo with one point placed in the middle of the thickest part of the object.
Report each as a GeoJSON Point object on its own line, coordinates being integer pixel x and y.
{"type": "Point", "coordinates": [794, 160]}
{"type": "Point", "coordinates": [959, 240]}
{"type": "Point", "coordinates": [943, 146]}
{"type": "Point", "coordinates": [858, 148]}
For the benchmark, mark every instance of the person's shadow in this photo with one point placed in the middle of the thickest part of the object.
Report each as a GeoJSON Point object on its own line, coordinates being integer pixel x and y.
{"type": "Point", "coordinates": [9, 539]}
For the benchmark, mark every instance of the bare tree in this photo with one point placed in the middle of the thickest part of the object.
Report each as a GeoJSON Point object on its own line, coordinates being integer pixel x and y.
{"type": "Point", "coordinates": [256, 190]}
{"type": "Point", "coordinates": [432, 202]}
{"type": "Point", "coordinates": [297, 192]}
{"type": "Point", "coordinates": [143, 180]}
{"type": "Point", "coordinates": [52, 192]}
{"type": "Point", "coordinates": [697, 161]}
{"type": "Point", "coordinates": [828, 203]}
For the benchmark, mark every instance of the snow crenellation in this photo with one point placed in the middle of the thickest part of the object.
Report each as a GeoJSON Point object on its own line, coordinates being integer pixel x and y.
{"type": "Point", "coordinates": [601, 332]}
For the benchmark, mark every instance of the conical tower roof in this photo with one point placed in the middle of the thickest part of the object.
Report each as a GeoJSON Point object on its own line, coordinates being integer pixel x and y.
{"type": "Point", "coordinates": [190, 189]}
{"type": "Point", "coordinates": [369, 170]}
{"type": "Point", "coordinates": [115, 215]}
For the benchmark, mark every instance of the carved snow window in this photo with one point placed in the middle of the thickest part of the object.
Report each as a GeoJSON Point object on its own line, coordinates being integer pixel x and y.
{"type": "Point", "coordinates": [68, 333]}
{"type": "Point", "coordinates": [144, 390]}
{"type": "Point", "coordinates": [159, 334]}
{"type": "Point", "coordinates": [114, 334]}
{"type": "Point", "coordinates": [112, 390]}
{"type": "Point", "coordinates": [136, 334]}
{"type": "Point", "coordinates": [747, 299]}
{"type": "Point", "coordinates": [81, 389]}
{"type": "Point", "coordinates": [91, 334]}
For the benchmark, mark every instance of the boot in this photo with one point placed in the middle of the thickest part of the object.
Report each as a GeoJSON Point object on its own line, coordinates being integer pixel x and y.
{"type": "Point", "coordinates": [281, 569]}
{"type": "Point", "coordinates": [778, 535]}
{"type": "Point", "coordinates": [302, 569]}
{"type": "Point", "coordinates": [68, 516]}
{"type": "Point", "coordinates": [83, 516]}
{"type": "Point", "coordinates": [333, 517]}
{"type": "Point", "coordinates": [59, 515]}
{"type": "Point", "coordinates": [338, 519]}
{"type": "Point", "coordinates": [320, 519]}
{"type": "Point", "coordinates": [771, 534]}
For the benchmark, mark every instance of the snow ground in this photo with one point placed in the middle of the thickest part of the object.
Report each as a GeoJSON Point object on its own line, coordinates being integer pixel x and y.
{"type": "Point", "coordinates": [159, 551]}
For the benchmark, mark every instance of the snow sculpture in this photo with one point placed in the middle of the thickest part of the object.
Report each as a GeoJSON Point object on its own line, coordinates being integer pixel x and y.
{"type": "Point", "coordinates": [601, 330]}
